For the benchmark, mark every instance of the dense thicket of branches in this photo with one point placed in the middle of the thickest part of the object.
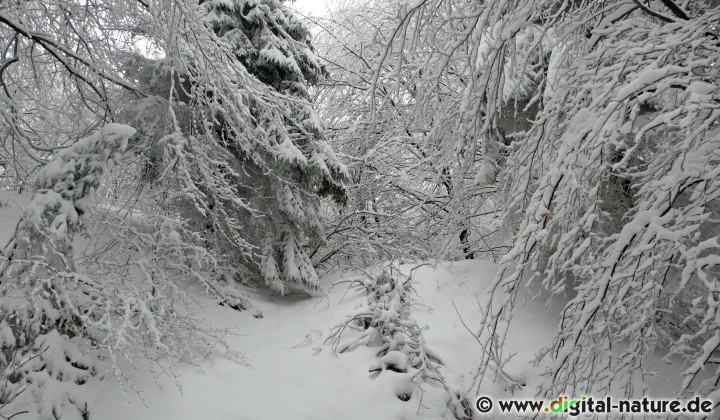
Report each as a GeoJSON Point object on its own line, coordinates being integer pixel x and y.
{"type": "Point", "coordinates": [394, 107]}
{"type": "Point", "coordinates": [596, 122]}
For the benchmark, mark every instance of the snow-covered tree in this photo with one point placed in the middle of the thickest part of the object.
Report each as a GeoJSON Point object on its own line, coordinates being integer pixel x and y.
{"type": "Point", "coordinates": [386, 321]}
{"type": "Point", "coordinates": [615, 190]}
{"type": "Point", "coordinates": [246, 142]}
{"type": "Point", "coordinates": [221, 182]}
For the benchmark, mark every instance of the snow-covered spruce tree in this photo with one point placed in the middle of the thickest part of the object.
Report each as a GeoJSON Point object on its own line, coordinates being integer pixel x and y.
{"type": "Point", "coordinates": [248, 157]}
{"type": "Point", "coordinates": [629, 113]}
{"type": "Point", "coordinates": [235, 72]}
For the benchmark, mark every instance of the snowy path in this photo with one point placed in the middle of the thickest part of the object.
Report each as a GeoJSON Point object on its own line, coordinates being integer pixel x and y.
{"type": "Point", "coordinates": [295, 376]}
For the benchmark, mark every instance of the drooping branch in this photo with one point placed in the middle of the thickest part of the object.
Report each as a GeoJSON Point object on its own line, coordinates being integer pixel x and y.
{"type": "Point", "coordinates": [62, 53]}
{"type": "Point", "coordinates": [675, 9]}
{"type": "Point", "coordinates": [652, 12]}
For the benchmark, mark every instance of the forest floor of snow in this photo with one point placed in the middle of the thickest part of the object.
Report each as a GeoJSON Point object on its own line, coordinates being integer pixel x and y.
{"type": "Point", "coordinates": [291, 373]}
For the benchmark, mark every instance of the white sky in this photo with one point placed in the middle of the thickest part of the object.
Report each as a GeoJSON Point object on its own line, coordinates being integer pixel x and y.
{"type": "Point", "coordinates": [310, 7]}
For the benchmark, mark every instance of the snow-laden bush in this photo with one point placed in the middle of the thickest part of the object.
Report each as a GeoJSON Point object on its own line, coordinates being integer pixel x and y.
{"type": "Point", "coordinates": [63, 322]}
{"type": "Point", "coordinates": [46, 307]}
{"type": "Point", "coordinates": [386, 322]}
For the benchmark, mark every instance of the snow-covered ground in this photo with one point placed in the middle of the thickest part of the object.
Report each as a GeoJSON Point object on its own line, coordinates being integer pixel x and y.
{"type": "Point", "coordinates": [292, 374]}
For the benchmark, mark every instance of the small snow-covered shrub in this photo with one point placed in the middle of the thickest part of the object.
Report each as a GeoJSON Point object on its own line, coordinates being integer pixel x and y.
{"type": "Point", "coordinates": [386, 321]}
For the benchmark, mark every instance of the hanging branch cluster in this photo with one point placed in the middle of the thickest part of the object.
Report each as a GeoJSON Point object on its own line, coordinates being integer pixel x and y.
{"type": "Point", "coordinates": [615, 191]}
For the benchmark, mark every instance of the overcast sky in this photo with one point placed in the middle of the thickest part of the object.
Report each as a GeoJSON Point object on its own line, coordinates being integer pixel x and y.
{"type": "Point", "coordinates": [310, 7]}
